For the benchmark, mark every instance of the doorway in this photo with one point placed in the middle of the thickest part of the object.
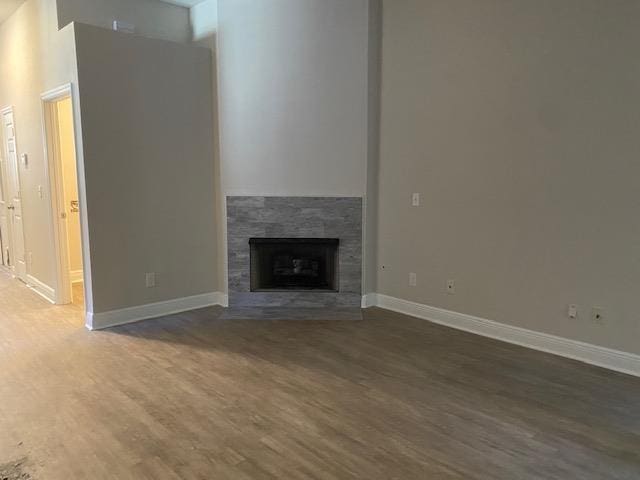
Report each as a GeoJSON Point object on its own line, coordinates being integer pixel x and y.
{"type": "Point", "coordinates": [65, 200]}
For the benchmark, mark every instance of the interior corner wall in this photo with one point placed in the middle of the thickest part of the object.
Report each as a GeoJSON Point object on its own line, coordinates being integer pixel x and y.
{"type": "Point", "coordinates": [373, 147]}
{"type": "Point", "coordinates": [34, 57]}
{"type": "Point", "coordinates": [152, 18]}
{"type": "Point", "coordinates": [519, 123]}
{"type": "Point", "coordinates": [149, 175]}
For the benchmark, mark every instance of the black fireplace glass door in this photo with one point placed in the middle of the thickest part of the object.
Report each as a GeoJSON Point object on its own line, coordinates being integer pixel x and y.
{"type": "Point", "coordinates": [282, 264]}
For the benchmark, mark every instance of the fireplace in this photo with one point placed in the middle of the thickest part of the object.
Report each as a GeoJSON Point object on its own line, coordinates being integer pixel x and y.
{"type": "Point", "coordinates": [294, 264]}
{"type": "Point", "coordinates": [294, 252]}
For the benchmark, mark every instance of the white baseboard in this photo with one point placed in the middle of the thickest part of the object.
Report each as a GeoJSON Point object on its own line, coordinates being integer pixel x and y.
{"type": "Point", "coordinates": [98, 321]}
{"type": "Point", "coordinates": [76, 276]}
{"type": "Point", "coordinates": [595, 355]}
{"type": "Point", "coordinates": [42, 289]}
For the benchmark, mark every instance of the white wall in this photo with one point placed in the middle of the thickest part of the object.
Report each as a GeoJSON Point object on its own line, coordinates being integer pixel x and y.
{"type": "Point", "coordinates": [518, 122]}
{"type": "Point", "coordinates": [34, 57]}
{"type": "Point", "coordinates": [149, 171]}
{"type": "Point", "coordinates": [293, 96]}
{"type": "Point", "coordinates": [152, 18]}
{"type": "Point", "coordinates": [293, 100]}
{"type": "Point", "coordinates": [204, 19]}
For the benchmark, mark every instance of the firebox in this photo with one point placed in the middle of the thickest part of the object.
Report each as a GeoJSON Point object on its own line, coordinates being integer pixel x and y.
{"type": "Point", "coordinates": [286, 264]}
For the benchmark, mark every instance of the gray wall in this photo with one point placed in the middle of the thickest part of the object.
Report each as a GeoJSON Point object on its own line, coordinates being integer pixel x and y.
{"type": "Point", "coordinates": [374, 75]}
{"type": "Point", "coordinates": [148, 150]}
{"type": "Point", "coordinates": [204, 19]}
{"type": "Point", "coordinates": [152, 18]}
{"type": "Point", "coordinates": [519, 122]}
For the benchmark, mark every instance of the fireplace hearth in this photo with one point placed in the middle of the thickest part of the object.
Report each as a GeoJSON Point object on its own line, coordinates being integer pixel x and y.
{"type": "Point", "coordinates": [294, 264]}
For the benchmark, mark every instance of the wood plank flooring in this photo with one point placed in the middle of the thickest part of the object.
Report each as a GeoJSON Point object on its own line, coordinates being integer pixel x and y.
{"type": "Point", "coordinates": [195, 397]}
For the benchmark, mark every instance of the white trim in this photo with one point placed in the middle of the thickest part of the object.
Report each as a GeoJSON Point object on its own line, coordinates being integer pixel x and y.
{"type": "Point", "coordinates": [58, 230]}
{"type": "Point", "coordinates": [248, 192]}
{"type": "Point", "coordinates": [97, 321]}
{"type": "Point", "coordinates": [76, 276]}
{"type": "Point", "coordinates": [593, 354]}
{"type": "Point", "coordinates": [42, 289]}
{"type": "Point", "coordinates": [369, 300]}
{"type": "Point", "coordinates": [223, 299]}
{"type": "Point", "coordinates": [64, 278]}
{"type": "Point", "coordinates": [57, 93]}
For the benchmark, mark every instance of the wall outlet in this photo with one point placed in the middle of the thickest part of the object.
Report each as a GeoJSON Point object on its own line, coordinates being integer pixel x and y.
{"type": "Point", "coordinates": [413, 279]}
{"type": "Point", "coordinates": [150, 280]}
{"type": "Point", "coordinates": [572, 311]}
{"type": "Point", "coordinates": [415, 200]}
{"type": "Point", "coordinates": [451, 287]}
{"type": "Point", "coordinates": [597, 314]}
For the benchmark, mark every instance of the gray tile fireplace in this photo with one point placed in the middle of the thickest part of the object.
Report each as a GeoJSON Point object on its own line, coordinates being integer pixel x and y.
{"type": "Point", "coordinates": [303, 252]}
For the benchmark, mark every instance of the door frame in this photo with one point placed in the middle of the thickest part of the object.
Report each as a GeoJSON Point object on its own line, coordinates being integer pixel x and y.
{"type": "Point", "coordinates": [53, 172]}
{"type": "Point", "coordinates": [12, 268]}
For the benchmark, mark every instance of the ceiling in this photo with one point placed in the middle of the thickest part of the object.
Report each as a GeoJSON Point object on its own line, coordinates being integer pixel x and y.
{"type": "Point", "coordinates": [7, 7]}
{"type": "Point", "coordinates": [182, 3]}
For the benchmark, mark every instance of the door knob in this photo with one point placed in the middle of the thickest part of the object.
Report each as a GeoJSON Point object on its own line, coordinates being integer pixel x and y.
{"type": "Point", "coordinates": [11, 207]}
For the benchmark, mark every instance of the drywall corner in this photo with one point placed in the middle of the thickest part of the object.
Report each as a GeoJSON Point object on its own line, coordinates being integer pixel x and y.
{"type": "Point", "coordinates": [374, 74]}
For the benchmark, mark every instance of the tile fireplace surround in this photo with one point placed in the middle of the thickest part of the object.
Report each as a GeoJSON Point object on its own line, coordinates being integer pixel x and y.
{"type": "Point", "coordinates": [295, 217]}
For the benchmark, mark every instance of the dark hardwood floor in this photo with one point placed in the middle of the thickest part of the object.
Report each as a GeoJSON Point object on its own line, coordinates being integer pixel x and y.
{"type": "Point", "coordinates": [390, 397]}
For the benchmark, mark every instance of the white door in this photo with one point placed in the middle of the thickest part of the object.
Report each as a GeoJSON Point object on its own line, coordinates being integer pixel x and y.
{"type": "Point", "coordinates": [13, 203]}
{"type": "Point", "coordinates": [4, 217]}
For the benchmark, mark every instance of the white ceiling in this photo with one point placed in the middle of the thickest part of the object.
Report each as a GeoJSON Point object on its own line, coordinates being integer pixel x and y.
{"type": "Point", "coordinates": [7, 7]}
{"type": "Point", "coordinates": [182, 3]}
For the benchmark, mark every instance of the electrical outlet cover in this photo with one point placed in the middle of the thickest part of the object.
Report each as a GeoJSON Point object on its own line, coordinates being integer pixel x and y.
{"type": "Point", "coordinates": [451, 287]}
{"type": "Point", "coordinates": [597, 314]}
